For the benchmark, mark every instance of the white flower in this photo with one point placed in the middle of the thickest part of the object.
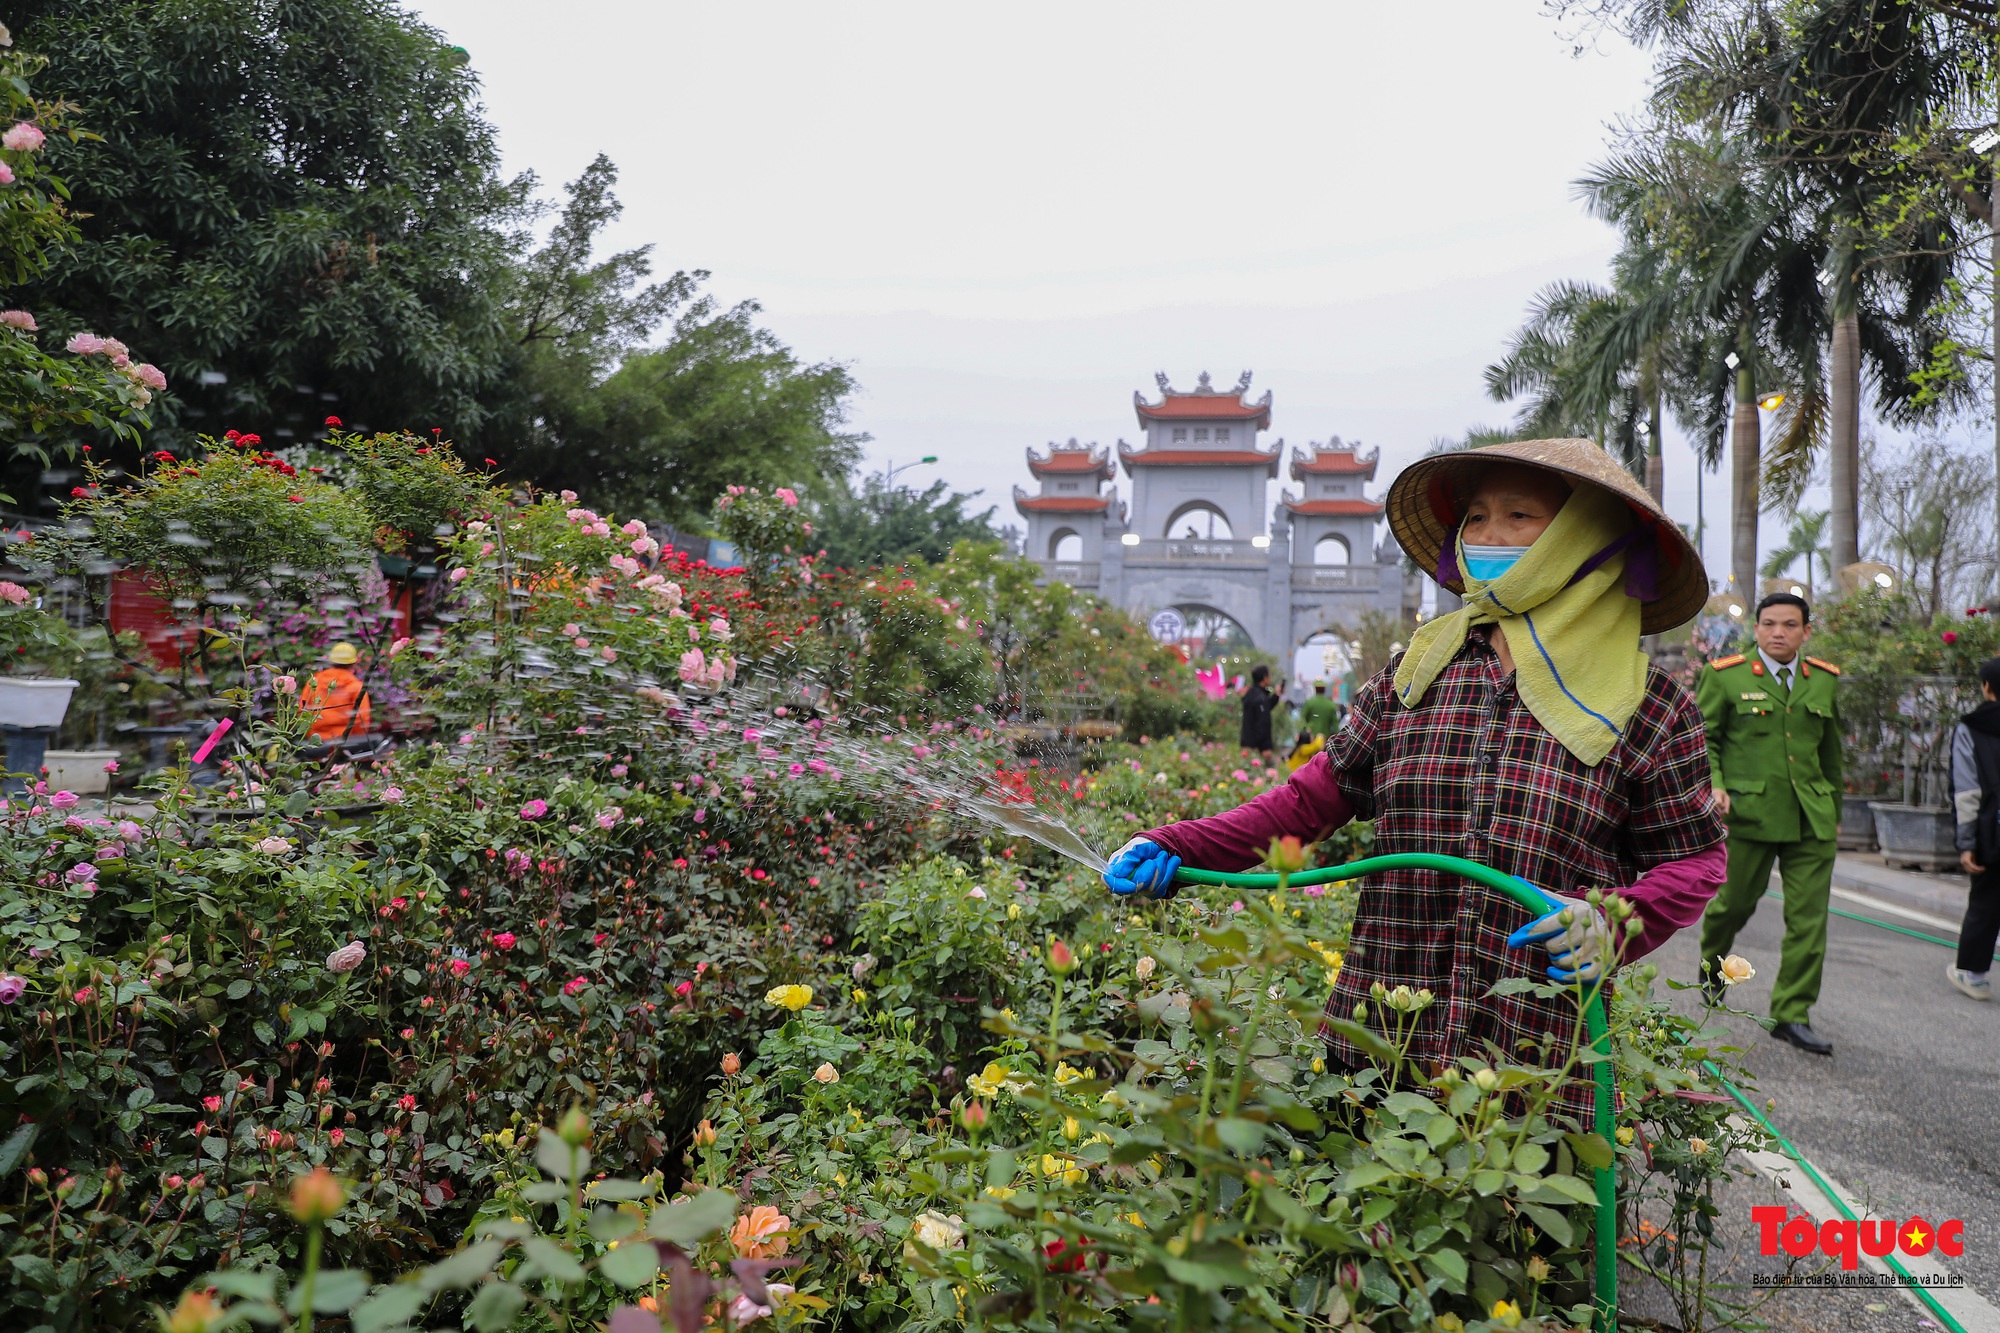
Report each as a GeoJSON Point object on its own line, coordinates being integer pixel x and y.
{"type": "Point", "coordinates": [938, 1231]}
{"type": "Point", "coordinates": [864, 965]}
{"type": "Point", "coordinates": [1143, 969]}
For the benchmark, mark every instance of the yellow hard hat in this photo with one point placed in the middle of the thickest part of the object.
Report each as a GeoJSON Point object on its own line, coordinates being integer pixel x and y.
{"type": "Point", "coordinates": [342, 654]}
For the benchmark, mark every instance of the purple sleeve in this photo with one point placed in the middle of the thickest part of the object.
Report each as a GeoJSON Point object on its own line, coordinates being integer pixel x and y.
{"type": "Point", "coordinates": [1310, 804]}
{"type": "Point", "coordinates": [1671, 896]}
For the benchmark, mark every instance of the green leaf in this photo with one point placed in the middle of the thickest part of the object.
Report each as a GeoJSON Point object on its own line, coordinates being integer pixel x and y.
{"type": "Point", "coordinates": [547, 1191]}
{"type": "Point", "coordinates": [1365, 1174]}
{"type": "Point", "coordinates": [1570, 1187]}
{"type": "Point", "coordinates": [1551, 1222]}
{"type": "Point", "coordinates": [463, 1269]}
{"type": "Point", "coordinates": [1244, 1136]}
{"type": "Point", "coordinates": [494, 1308]}
{"type": "Point", "coordinates": [1591, 1149]}
{"type": "Point", "coordinates": [608, 1224]}
{"type": "Point", "coordinates": [548, 1259]}
{"type": "Point", "coordinates": [15, 1150]}
{"type": "Point", "coordinates": [389, 1309]}
{"type": "Point", "coordinates": [139, 1098]}
{"type": "Point", "coordinates": [1531, 1159]}
{"type": "Point", "coordinates": [630, 1265]}
{"type": "Point", "coordinates": [1450, 1264]}
{"type": "Point", "coordinates": [1000, 1167]}
{"type": "Point", "coordinates": [620, 1191]}
{"type": "Point", "coordinates": [250, 1284]}
{"type": "Point", "coordinates": [238, 989]}
{"type": "Point", "coordinates": [688, 1222]}
{"type": "Point", "coordinates": [1378, 1050]}
{"type": "Point", "coordinates": [555, 1157]}
{"type": "Point", "coordinates": [36, 1271]}
{"type": "Point", "coordinates": [335, 1291]}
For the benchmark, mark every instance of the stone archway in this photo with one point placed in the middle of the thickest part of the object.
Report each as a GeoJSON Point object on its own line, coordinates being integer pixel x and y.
{"type": "Point", "coordinates": [1199, 520]}
{"type": "Point", "coordinates": [1066, 544]}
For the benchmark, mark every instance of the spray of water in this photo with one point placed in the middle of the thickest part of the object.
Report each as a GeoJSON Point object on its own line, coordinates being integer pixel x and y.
{"type": "Point", "coordinates": [794, 727]}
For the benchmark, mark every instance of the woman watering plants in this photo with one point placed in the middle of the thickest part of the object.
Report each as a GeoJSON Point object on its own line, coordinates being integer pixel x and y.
{"type": "Point", "coordinates": [1526, 731]}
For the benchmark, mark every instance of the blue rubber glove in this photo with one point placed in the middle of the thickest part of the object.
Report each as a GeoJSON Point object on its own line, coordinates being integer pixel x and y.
{"type": "Point", "coordinates": [1578, 948]}
{"type": "Point", "coordinates": [1142, 864]}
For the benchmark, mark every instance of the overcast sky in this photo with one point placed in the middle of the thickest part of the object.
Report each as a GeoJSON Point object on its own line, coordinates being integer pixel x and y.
{"type": "Point", "coordinates": [1005, 219]}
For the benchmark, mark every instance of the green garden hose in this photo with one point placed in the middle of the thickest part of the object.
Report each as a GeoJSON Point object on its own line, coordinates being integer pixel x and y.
{"type": "Point", "coordinates": [1595, 1025]}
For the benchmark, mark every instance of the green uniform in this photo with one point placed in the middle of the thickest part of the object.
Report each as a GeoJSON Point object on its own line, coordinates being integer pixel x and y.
{"type": "Point", "coordinates": [1777, 753]}
{"type": "Point", "coordinates": [1318, 715]}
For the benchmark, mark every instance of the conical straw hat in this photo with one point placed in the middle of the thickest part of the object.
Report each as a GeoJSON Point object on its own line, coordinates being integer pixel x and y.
{"type": "Point", "coordinates": [1427, 500]}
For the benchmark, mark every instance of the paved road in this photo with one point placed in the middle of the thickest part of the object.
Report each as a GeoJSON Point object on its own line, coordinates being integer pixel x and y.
{"type": "Point", "coordinates": [1906, 1113]}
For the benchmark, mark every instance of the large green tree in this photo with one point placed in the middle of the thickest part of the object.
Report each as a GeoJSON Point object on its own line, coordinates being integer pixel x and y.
{"type": "Point", "coordinates": [293, 205]}
{"type": "Point", "coordinates": [880, 524]}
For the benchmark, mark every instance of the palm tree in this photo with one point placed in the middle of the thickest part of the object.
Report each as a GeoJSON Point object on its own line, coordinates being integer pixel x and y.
{"type": "Point", "coordinates": [1805, 541]}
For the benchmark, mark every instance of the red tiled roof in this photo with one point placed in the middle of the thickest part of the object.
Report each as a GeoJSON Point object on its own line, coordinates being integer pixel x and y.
{"type": "Point", "coordinates": [1060, 504]}
{"type": "Point", "coordinates": [1332, 461]}
{"type": "Point", "coordinates": [1200, 458]}
{"type": "Point", "coordinates": [1336, 508]}
{"type": "Point", "coordinates": [1204, 407]}
{"type": "Point", "coordinates": [1071, 462]}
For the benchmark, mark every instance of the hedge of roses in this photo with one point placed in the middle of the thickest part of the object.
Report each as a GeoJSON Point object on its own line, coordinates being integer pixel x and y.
{"type": "Point", "coordinates": [658, 927]}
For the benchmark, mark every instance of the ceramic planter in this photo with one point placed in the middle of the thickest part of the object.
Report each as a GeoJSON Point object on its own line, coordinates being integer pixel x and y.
{"type": "Point", "coordinates": [34, 701]}
{"type": "Point", "coordinates": [80, 771]}
{"type": "Point", "coordinates": [1918, 836]}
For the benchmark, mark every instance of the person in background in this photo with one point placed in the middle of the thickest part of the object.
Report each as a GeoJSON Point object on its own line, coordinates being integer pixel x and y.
{"type": "Point", "coordinates": [1526, 731]}
{"type": "Point", "coordinates": [1773, 721]}
{"type": "Point", "coordinates": [1258, 701]}
{"type": "Point", "coordinates": [1975, 798]}
{"type": "Point", "coordinates": [337, 699]}
{"type": "Point", "coordinates": [1319, 716]}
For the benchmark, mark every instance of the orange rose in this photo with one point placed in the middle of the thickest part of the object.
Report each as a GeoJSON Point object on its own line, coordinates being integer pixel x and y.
{"type": "Point", "coordinates": [760, 1233]}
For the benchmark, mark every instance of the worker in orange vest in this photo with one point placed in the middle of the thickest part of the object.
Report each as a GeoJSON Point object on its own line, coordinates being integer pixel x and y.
{"type": "Point", "coordinates": [337, 698]}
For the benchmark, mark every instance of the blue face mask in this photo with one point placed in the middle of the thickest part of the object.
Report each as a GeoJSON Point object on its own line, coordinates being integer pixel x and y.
{"type": "Point", "coordinates": [1487, 563]}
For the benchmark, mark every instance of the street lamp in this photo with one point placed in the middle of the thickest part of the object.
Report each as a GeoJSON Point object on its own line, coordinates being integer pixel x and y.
{"type": "Point", "coordinates": [1129, 539]}
{"type": "Point", "coordinates": [1772, 400]}
{"type": "Point", "coordinates": [1986, 142]}
{"type": "Point", "coordinates": [889, 477]}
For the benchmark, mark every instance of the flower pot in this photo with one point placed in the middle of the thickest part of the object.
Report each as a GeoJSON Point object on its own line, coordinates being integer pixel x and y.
{"type": "Point", "coordinates": [80, 771]}
{"type": "Point", "coordinates": [1917, 836]}
{"type": "Point", "coordinates": [1857, 824]}
{"type": "Point", "coordinates": [34, 701]}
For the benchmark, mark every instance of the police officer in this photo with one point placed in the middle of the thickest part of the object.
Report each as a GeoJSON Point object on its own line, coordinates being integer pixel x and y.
{"type": "Point", "coordinates": [1774, 755]}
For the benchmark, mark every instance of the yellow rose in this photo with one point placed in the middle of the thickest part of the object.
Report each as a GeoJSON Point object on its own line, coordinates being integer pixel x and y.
{"type": "Point", "coordinates": [793, 997]}
{"type": "Point", "coordinates": [989, 1081]}
{"type": "Point", "coordinates": [1736, 970]}
{"type": "Point", "coordinates": [826, 1073]}
{"type": "Point", "coordinates": [1625, 1135]}
{"type": "Point", "coordinates": [1506, 1314]}
{"type": "Point", "coordinates": [1697, 1146]}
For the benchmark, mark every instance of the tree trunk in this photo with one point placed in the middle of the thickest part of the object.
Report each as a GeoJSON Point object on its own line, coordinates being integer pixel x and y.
{"type": "Point", "coordinates": [1656, 465]}
{"type": "Point", "coordinates": [1746, 477]}
{"type": "Point", "coordinates": [1844, 460]}
{"type": "Point", "coordinates": [1993, 203]}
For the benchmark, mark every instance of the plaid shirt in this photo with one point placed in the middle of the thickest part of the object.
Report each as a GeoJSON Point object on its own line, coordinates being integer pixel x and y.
{"type": "Point", "coordinates": [1469, 772]}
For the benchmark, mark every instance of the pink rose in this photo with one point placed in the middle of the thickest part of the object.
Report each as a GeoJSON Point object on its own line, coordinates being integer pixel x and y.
{"type": "Point", "coordinates": [63, 800]}
{"type": "Point", "coordinates": [608, 654]}
{"type": "Point", "coordinates": [392, 795]}
{"type": "Point", "coordinates": [22, 137]}
{"type": "Point", "coordinates": [619, 770]}
{"type": "Point", "coordinates": [149, 375]}
{"type": "Point", "coordinates": [14, 593]}
{"type": "Point", "coordinates": [789, 496]}
{"type": "Point", "coordinates": [684, 989]}
{"type": "Point", "coordinates": [6, 174]}
{"type": "Point", "coordinates": [460, 966]}
{"type": "Point", "coordinates": [407, 1101]}
{"type": "Point", "coordinates": [504, 940]}
{"type": "Point", "coordinates": [85, 344]}
{"type": "Point", "coordinates": [12, 988]}
{"type": "Point", "coordinates": [693, 666]}
{"type": "Point", "coordinates": [535, 809]}
{"type": "Point", "coordinates": [337, 1137]}
{"type": "Point", "coordinates": [83, 872]}
{"type": "Point", "coordinates": [18, 319]}
{"type": "Point", "coordinates": [460, 574]}
{"type": "Point", "coordinates": [347, 957]}
{"type": "Point", "coordinates": [569, 497]}
{"type": "Point", "coordinates": [609, 816]}
{"type": "Point", "coordinates": [634, 528]}
{"type": "Point", "coordinates": [574, 985]}
{"type": "Point", "coordinates": [398, 646]}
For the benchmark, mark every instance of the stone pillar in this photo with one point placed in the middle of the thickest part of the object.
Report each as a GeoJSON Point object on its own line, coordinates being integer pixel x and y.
{"type": "Point", "coordinates": [1277, 627]}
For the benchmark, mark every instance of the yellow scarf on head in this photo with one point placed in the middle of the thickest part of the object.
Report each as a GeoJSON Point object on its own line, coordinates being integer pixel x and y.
{"type": "Point", "coordinates": [1575, 644]}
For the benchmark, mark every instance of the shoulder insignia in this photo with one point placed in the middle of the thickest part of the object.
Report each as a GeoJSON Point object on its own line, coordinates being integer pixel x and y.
{"type": "Point", "coordinates": [1824, 665]}
{"type": "Point", "coordinates": [1721, 662]}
